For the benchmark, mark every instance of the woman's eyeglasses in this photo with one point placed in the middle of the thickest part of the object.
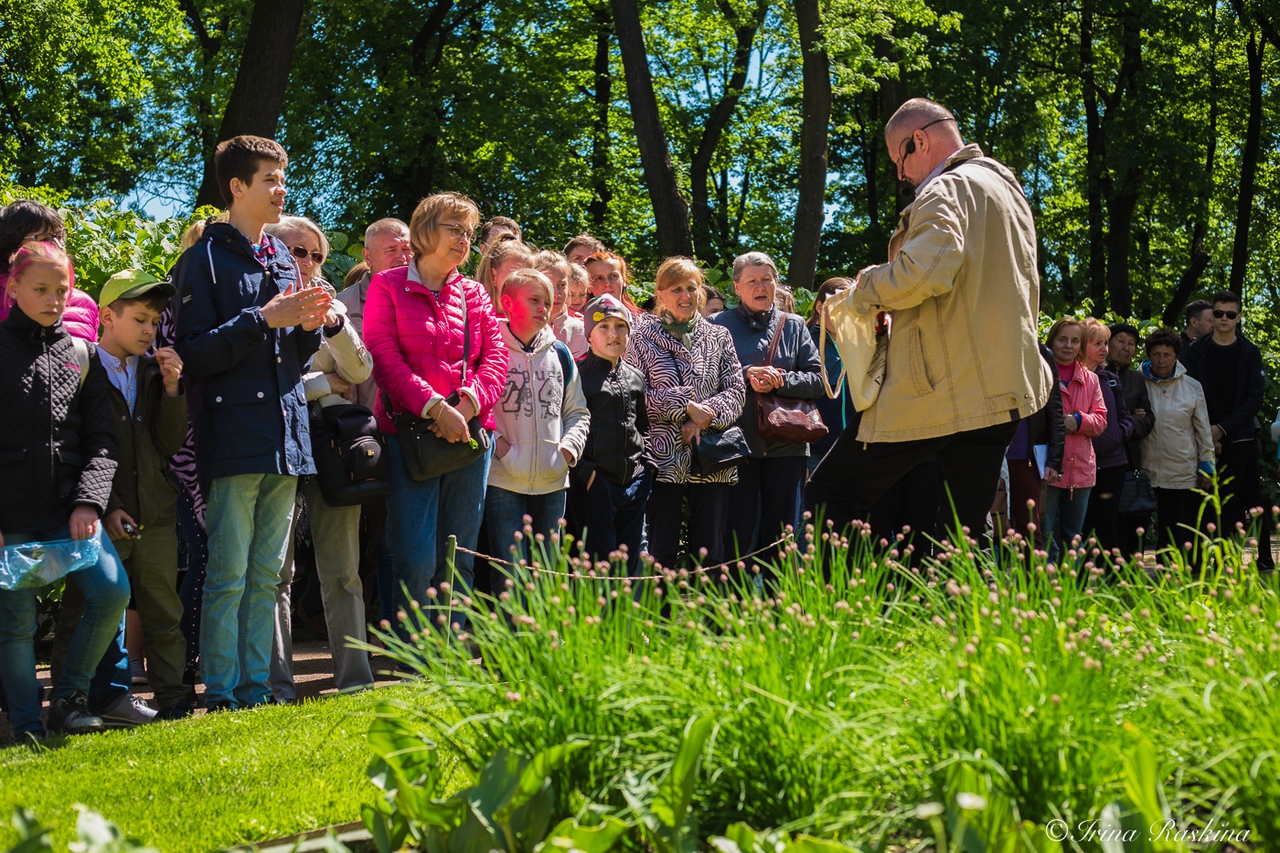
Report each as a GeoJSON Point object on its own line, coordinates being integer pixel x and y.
{"type": "Point", "coordinates": [58, 237]}
{"type": "Point", "coordinates": [1218, 314]}
{"type": "Point", "coordinates": [457, 232]}
{"type": "Point", "coordinates": [301, 254]}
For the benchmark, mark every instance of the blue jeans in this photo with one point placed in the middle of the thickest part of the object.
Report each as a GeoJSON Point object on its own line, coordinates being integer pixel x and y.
{"type": "Point", "coordinates": [248, 520]}
{"type": "Point", "coordinates": [504, 513]}
{"type": "Point", "coordinates": [610, 516]}
{"type": "Point", "coordinates": [420, 517]}
{"type": "Point", "coordinates": [1063, 513]}
{"type": "Point", "coordinates": [106, 592]}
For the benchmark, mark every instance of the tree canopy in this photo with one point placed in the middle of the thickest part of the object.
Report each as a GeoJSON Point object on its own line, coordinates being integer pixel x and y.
{"type": "Point", "coordinates": [1143, 131]}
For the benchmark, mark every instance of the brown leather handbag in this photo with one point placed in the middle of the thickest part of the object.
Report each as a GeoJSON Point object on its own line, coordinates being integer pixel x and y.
{"type": "Point", "coordinates": [786, 418]}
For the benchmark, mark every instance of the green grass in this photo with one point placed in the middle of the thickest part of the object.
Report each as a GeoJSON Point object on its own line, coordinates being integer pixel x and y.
{"type": "Point", "coordinates": [206, 783]}
{"type": "Point", "coordinates": [861, 691]}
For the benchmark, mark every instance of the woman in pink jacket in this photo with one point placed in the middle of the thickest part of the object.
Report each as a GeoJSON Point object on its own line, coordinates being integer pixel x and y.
{"type": "Point", "coordinates": [414, 322]}
{"type": "Point", "coordinates": [1084, 415]}
{"type": "Point", "coordinates": [30, 220]}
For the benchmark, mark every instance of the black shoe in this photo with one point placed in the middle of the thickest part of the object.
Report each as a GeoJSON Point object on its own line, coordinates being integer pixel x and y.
{"type": "Point", "coordinates": [71, 715]}
{"type": "Point", "coordinates": [179, 710]}
{"type": "Point", "coordinates": [216, 707]}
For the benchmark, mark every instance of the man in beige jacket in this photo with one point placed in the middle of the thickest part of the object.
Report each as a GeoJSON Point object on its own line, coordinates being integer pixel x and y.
{"type": "Point", "coordinates": [963, 366]}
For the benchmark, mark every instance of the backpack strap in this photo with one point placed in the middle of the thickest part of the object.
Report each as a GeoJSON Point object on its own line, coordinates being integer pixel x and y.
{"type": "Point", "coordinates": [82, 357]}
{"type": "Point", "coordinates": [566, 360]}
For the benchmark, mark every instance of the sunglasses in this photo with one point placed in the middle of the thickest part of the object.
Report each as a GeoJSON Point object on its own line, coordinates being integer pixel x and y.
{"type": "Point", "coordinates": [301, 254]}
{"type": "Point", "coordinates": [1218, 314]}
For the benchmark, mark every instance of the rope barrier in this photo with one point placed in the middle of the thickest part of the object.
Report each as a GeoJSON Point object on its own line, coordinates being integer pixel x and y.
{"type": "Point", "coordinates": [627, 578]}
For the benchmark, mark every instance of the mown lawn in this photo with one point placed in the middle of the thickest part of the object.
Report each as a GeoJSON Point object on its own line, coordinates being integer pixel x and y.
{"type": "Point", "coordinates": [209, 782]}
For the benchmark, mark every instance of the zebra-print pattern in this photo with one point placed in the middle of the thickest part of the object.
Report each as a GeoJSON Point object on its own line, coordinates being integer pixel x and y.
{"type": "Point", "coordinates": [674, 376]}
{"type": "Point", "coordinates": [183, 463]}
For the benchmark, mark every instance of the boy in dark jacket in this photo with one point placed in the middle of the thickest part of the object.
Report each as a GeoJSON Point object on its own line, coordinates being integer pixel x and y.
{"type": "Point", "coordinates": [610, 485]}
{"type": "Point", "coordinates": [150, 416]}
{"type": "Point", "coordinates": [246, 330]}
{"type": "Point", "coordinates": [56, 448]}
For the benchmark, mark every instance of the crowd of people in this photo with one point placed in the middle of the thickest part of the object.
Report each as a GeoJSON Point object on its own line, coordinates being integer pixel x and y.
{"type": "Point", "coordinates": [191, 414]}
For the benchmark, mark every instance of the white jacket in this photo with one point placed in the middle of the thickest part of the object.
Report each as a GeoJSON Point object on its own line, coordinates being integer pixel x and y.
{"type": "Point", "coordinates": [342, 353]}
{"type": "Point", "coordinates": [1181, 441]}
{"type": "Point", "coordinates": [540, 413]}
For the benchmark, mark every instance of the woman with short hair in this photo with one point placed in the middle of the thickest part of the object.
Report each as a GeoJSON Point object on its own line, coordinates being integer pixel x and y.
{"type": "Point", "coordinates": [693, 386]}
{"type": "Point", "coordinates": [769, 495]}
{"type": "Point", "coordinates": [419, 322]}
{"type": "Point", "coordinates": [1178, 452]}
{"type": "Point", "coordinates": [341, 362]}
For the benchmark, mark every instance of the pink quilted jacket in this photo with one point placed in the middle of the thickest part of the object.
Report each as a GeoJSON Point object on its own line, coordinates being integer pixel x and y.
{"type": "Point", "coordinates": [80, 316]}
{"type": "Point", "coordinates": [1083, 395]}
{"type": "Point", "coordinates": [415, 337]}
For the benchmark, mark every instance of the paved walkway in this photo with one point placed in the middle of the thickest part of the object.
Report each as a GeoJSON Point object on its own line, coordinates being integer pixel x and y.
{"type": "Point", "coordinates": [312, 675]}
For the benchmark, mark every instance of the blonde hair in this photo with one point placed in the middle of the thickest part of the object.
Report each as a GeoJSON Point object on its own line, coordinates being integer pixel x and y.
{"type": "Point", "coordinates": [1095, 329]}
{"type": "Point", "coordinates": [495, 256]}
{"type": "Point", "coordinates": [296, 224]}
{"type": "Point", "coordinates": [193, 234]}
{"type": "Point", "coordinates": [37, 253]}
{"type": "Point", "coordinates": [678, 270]}
{"type": "Point", "coordinates": [431, 211]}
{"type": "Point", "coordinates": [548, 260]}
{"type": "Point", "coordinates": [523, 279]}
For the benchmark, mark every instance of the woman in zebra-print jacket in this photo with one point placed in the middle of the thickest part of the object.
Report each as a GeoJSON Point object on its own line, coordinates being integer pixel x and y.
{"type": "Point", "coordinates": [693, 384]}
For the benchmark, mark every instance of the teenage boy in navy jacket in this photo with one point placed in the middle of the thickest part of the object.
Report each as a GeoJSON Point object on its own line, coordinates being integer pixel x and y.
{"type": "Point", "coordinates": [246, 330]}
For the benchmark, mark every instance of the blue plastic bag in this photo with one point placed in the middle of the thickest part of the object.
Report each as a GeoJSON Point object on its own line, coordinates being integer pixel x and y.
{"type": "Point", "coordinates": [38, 564]}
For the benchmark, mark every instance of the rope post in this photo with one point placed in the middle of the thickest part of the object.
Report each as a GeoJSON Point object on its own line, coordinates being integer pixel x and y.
{"type": "Point", "coordinates": [451, 570]}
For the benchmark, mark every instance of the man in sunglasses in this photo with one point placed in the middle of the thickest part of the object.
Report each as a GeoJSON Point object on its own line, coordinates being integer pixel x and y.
{"type": "Point", "coordinates": [1229, 368]}
{"type": "Point", "coordinates": [964, 363]}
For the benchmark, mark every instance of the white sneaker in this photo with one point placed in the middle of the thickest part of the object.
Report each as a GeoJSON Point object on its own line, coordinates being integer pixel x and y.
{"type": "Point", "coordinates": [126, 712]}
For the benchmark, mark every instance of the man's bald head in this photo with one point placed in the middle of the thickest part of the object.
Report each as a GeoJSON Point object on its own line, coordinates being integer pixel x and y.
{"type": "Point", "coordinates": [920, 135]}
{"type": "Point", "coordinates": [915, 114]}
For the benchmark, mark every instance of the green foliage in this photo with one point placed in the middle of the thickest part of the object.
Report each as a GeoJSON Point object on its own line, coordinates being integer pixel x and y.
{"type": "Point", "coordinates": [94, 833]}
{"type": "Point", "coordinates": [508, 808]}
{"type": "Point", "coordinates": [863, 703]}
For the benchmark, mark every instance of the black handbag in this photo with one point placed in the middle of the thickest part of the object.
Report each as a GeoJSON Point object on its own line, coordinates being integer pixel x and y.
{"type": "Point", "coordinates": [717, 451]}
{"type": "Point", "coordinates": [1137, 496]}
{"type": "Point", "coordinates": [426, 455]}
{"type": "Point", "coordinates": [352, 466]}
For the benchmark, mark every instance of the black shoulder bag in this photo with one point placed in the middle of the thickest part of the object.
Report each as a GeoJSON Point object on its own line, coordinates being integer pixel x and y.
{"type": "Point", "coordinates": [426, 455]}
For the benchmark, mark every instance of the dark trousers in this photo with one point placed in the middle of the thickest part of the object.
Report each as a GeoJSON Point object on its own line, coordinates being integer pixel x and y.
{"type": "Point", "coordinates": [196, 540]}
{"type": "Point", "coordinates": [708, 514]}
{"type": "Point", "coordinates": [1177, 511]}
{"type": "Point", "coordinates": [910, 506]}
{"type": "Point", "coordinates": [768, 497]}
{"type": "Point", "coordinates": [1238, 463]}
{"type": "Point", "coordinates": [854, 475]}
{"type": "Point", "coordinates": [608, 516]}
{"type": "Point", "coordinates": [1102, 516]}
{"type": "Point", "coordinates": [1026, 497]}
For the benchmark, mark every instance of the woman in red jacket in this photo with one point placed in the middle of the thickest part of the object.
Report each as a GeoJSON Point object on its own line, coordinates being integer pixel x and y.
{"type": "Point", "coordinates": [419, 321]}
{"type": "Point", "coordinates": [1084, 415]}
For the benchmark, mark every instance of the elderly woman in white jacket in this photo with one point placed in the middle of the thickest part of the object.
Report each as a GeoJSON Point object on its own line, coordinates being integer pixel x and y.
{"type": "Point", "coordinates": [343, 361]}
{"type": "Point", "coordinates": [1178, 453]}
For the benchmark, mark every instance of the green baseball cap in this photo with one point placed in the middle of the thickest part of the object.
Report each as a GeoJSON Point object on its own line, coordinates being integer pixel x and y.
{"type": "Point", "coordinates": [130, 284]}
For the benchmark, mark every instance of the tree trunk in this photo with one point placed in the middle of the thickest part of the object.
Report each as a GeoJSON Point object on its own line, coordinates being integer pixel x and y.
{"type": "Point", "coordinates": [670, 211]}
{"type": "Point", "coordinates": [602, 97]}
{"type": "Point", "coordinates": [1248, 166]}
{"type": "Point", "coordinates": [811, 204]}
{"type": "Point", "coordinates": [1095, 163]}
{"type": "Point", "coordinates": [713, 129]}
{"type": "Point", "coordinates": [258, 94]}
